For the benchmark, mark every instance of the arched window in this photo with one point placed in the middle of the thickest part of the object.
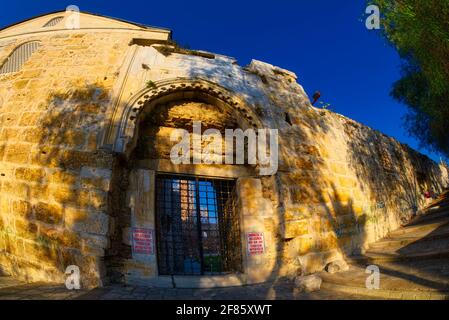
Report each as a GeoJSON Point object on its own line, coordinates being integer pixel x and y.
{"type": "Point", "coordinates": [53, 22]}
{"type": "Point", "coordinates": [19, 56]}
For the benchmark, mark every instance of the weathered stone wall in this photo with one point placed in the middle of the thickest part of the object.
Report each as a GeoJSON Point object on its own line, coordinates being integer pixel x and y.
{"type": "Point", "coordinates": [347, 186]}
{"type": "Point", "coordinates": [57, 186]}
{"type": "Point", "coordinates": [54, 180]}
{"type": "Point", "coordinates": [64, 171]}
{"type": "Point", "coordinates": [343, 185]}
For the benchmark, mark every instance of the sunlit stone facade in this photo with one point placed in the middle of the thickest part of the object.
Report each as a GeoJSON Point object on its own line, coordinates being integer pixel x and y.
{"type": "Point", "coordinates": [85, 127]}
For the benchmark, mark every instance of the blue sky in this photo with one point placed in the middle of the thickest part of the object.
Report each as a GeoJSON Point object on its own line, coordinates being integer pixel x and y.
{"type": "Point", "coordinates": [324, 42]}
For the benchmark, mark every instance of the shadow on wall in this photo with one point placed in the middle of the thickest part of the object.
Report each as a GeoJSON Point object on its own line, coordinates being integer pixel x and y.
{"type": "Point", "coordinates": [329, 223]}
{"type": "Point", "coordinates": [333, 220]}
{"type": "Point", "coordinates": [395, 175]}
{"type": "Point", "coordinates": [216, 73]}
{"type": "Point", "coordinates": [69, 192]}
{"type": "Point", "coordinates": [320, 223]}
{"type": "Point", "coordinates": [427, 265]}
{"type": "Point", "coordinates": [58, 189]}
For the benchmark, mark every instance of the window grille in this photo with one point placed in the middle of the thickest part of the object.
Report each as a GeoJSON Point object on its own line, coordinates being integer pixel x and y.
{"type": "Point", "coordinates": [19, 56]}
{"type": "Point", "coordinates": [197, 226]}
{"type": "Point", "coordinates": [53, 22]}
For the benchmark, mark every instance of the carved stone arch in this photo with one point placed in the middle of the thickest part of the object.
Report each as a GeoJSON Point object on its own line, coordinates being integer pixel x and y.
{"type": "Point", "coordinates": [122, 132]}
{"type": "Point", "coordinates": [148, 169]}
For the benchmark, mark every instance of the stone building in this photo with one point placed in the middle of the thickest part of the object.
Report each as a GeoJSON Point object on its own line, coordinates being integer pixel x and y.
{"type": "Point", "coordinates": [86, 179]}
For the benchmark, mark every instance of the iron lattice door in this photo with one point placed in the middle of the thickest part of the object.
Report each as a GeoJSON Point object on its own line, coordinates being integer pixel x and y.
{"type": "Point", "coordinates": [198, 229]}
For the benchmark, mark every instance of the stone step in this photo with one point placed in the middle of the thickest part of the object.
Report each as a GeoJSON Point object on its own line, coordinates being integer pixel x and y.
{"type": "Point", "coordinates": [442, 199]}
{"type": "Point", "coordinates": [429, 275]}
{"type": "Point", "coordinates": [422, 228]}
{"type": "Point", "coordinates": [413, 261]}
{"type": "Point", "coordinates": [427, 279]}
{"type": "Point", "coordinates": [376, 257]}
{"type": "Point", "coordinates": [7, 281]}
{"type": "Point", "coordinates": [404, 240]}
{"type": "Point", "coordinates": [417, 247]}
{"type": "Point", "coordinates": [431, 215]}
{"type": "Point", "coordinates": [427, 235]}
{"type": "Point", "coordinates": [385, 294]}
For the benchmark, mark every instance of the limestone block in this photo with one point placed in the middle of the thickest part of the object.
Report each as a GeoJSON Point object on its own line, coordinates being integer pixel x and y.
{"type": "Point", "coordinates": [99, 241]}
{"type": "Point", "coordinates": [63, 177]}
{"type": "Point", "coordinates": [94, 223]}
{"type": "Point", "coordinates": [296, 228]}
{"type": "Point", "coordinates": [18, 153]}
{"type": "Point", "coordinates": [260, 67]}
{"type": "Point", "coordinates": [48, 213]}
{"type": "Point", "coordinates": [9, 134]}
{"type": "Point", "coordinates": [346, 182]}
{"type": "Point", "coordinates": [74, 215]}
{"type": "Point", "coordinates": [68, 195]}
{"type": "Point", "coordinates": [304, 163]}
{"type": "Point", "coordinates": [31, 135]}
{"type": "Point", "coordinates": [30, 119]}
{"type": "Point", "coordinates": [338, 168]}
{"type": "Point", "coordinates": [256, 206]}
{"type": "Point", "coordinates": [30, 174]}
{"type": "Point", "coordinates": [38, 252]}
{"type": "Point", "coordinates": [308, 283]}
{"type": "Point", "coordinates": [251, 198]}
{"type": "Point", "coordinates": [316, 261]}
{"type": "Point", "coordinates": [20, 208]}
{"type": "Point", "coordinates": [336, 266]}
{"type": "Point", "coordinates": [98, 199]}
{"type": "Point", "coordinates": [249, 187]}
{"type": "Point", "coordinates": [140, 269]}
{"type": "Point", "coordinates": [142, 198]}
{"type": "Point", "coordinates": [20, 84]}
{"type": "Point", "coordinates": [70, 138]}
{"type": "Point", "coordinates": [304, 244]}
{"type": "Point", "coordinates": [25, 229]}
{"type": "Point", "coordinates": [64, 238]}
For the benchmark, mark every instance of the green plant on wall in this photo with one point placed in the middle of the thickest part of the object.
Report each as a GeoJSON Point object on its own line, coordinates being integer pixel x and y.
{"type": "Point", "coordinates": [6, 230]}
{"type": "Point", "coordinates": [324, 105]}
{"type": "Point", "coordinates": [44, 241]}
{"type": "Point", "coordinates": [150, 84]}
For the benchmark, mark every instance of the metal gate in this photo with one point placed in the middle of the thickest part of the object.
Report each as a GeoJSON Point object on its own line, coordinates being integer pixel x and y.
{"type": "Point", "coordinates": [198, 229]}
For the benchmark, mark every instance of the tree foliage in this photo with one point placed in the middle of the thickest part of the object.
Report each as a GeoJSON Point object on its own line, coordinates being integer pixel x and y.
{"type": "Point", "coordinates": [419, 30]}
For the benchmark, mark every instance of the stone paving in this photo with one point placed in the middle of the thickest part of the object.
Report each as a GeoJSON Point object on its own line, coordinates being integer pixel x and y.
{"type": "Point", "coordinates": [282, 290]}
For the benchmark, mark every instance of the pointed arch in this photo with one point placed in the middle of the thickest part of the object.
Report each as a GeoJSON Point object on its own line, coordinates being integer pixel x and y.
{"type": "Point", "coordinates": [121, 133]}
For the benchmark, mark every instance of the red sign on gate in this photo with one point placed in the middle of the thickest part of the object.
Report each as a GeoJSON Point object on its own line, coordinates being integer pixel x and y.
{"type": "Point", "coordinates": [143, 241]}
{"type": "Point", "coordinates": [256, 245]}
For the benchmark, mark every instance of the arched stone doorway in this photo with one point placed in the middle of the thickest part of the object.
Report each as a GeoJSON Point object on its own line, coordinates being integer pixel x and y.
{"type": "Point", "coordinates": [185, 225]}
